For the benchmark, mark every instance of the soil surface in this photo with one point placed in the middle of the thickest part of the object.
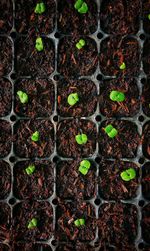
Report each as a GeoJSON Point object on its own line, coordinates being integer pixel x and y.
{"type": "Point", "coordinates": [5, 138]}
{"type": "Point", "coordinates": [5, 56]}
{"type": "Point", "coordinates": [78, 246]}
{"type": "Point", "coordinates": [31, 62]}
{"type": "Point", "coordinates": [72, 22]}
{"type": "Point", "coordinates": [87, 93]}
{"type": "Point", "coordinates": [146, 180]}
{"type": "Point", "coordinates": [66, 143]}
{"type": "Point", "coordinates": [38, 185]}
{"type": "Point", "coordinates": [41, 98]}
{"type": "Point", "coordinates": [4, 248]}
{"type": "Point", "coordinates": [145, 13]}
{"type": "Point", "coordinates": [146, 56]}
{"type": "Point", "coordinates": [146, 140]}
{"type": "Point", "coordinates": [6, 16]}
{"type": "Point", "coordinates": [146, 223]}
{"type": "Point", "coordinates": [117, 50]}
{"type": "Point", "coordinates": [31, 247]}
{"type": "Point", "coordinates": [24, 212]}
{"type": "Point", "coordinates": [67, 213]}
{"type": "Point", "coordinates": [25, 147]}
{"type": "Point", "coordinates": [5, 223]}
{"type": "Point", "coordinates": [146, 98]}
{"type": "Point", "coordinates": [28, 21]}
{"type": "Point", "coordinates": [120, 17]}
{"type": "Point", "coordinates": [129, 107]}
{"type": "Point", "coordinates": [111, 186]}
{"type": "Point", "coordinates": [5, 178]}
{"type": "Point", "coordinates": [74, 62]}
{"type": "Point", "coordinates": [5, 97]}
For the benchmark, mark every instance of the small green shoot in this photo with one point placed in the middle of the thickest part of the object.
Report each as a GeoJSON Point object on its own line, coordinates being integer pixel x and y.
{"type": "Point", "coordinates": [111, 131]}
{"type": "Point", "coordinates": [40, 8]}
{"type": "Point", "coordinates": [128, 174]}
{"type": "Point", "coordinates": [122, 66]}
{"type": "Point", "coordinates": [84, 166]}
{"type": "Point", "coordinates": [148, 16]}
{"type": "Point", "coordinates": [79, 222]}
{"type": "Point", "coordinates": [81, 139]}
{"type": "Point", "coordinates": [117, 96]}
{"type": "Point", "coordinates": [35, 136]}
{"type": "Point", "coordinates": [81, 6]}
{"type": "Point", "coordinates": [80, 44]}
{"type": "Point", "coordinates": [30, 169]}
{"type": "Point", "coordinates": [23, 97]}
{"type": "Point", "coordinates": [32, 224]}
{"type": "Point", "coordinates": [73, 98]}
{"type": "Point", "coordinates": [39, 44]}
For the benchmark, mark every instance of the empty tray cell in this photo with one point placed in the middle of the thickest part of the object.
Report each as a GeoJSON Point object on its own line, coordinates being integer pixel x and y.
{"type": "Point", "coordinates": [146, 140]}
{"type": "Point", "coordinates": [76, 98]}
{"type": "Point", "coordinates": [81, 184]}
{"type": "Point", "coordinates": [146, 180]}
{"type": "Point", "coordinates": [125, 103]}
{"type": "Point", "coordinates": [146, 98]}
{"type": "Point", "coordinates": [122, 140]}
{"type": "Point", "coordinates": [146, 55]}
{"type": "Point", "coordinates": [145, 14]}
{"type": "Point", "coordinates": [120, 17]}
{"type": "Point", "coordinates": [76, 138]}
{"type": "Point", "coordinates": [5, 223]}
{"type": "Point", "coordinates": [39, 100]}
{"type": "Point", "coordinates": [111, 184]}
{"type": "Point", "coordinates": [120, 56]}
{"type": "Point", "coordinates": [5, 177]}
{"type": "Point", "coordinates": [33, 179]}
{"type": "Point", "coordinates": [34, 138]}
{"type": "Point", "coordinates": [5, 138]}
{"type": "Point", "coordinates": [68, 215]}
{"type": "Point", "coordinates": [29, 18]}
{"type": "Point", "coordinates": [5, 56]}
{"type": "Point", "coordinates": [78, 246]}
{"type": "Point", "coordinates": [77, 62]}
{"type": "Point", "coordinates": [6, 16]}
{"type": "Point", "coordinates": [35, 57]}
{"type": "Point", "coordinates": [5, 97]}
{"type": "Point", "coordinates": [31, 247]}
{"type": "Point", "coordinates": [71, 21]}
{"type": "Point", "coordinates": [146, 223]}
{"type": "Point", "coordinates": [118, 224]}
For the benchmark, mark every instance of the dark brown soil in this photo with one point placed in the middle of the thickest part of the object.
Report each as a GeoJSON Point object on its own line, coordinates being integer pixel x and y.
{"type": "Point", "coordinates": [5, 178]}
{"type": "Point", "coordinates": [146, 223]}
{"type": "Point", "coordinates": [27, 21]}
{"type": "Point", "coordinates": [146, 98]}
{"type": "Point", "coordinates": [74, 62]}
{"type": "Point", "coordinates": [66, 143]}
{"type": "Point", "coordinates": [129, 107]}
{"type": "Point", "coordinates": [145, 12]}
{"type": "Point", "coordinates": [6, 16]}
{"type": "Point", "coordinates": [40, 98]}
{"type": "Point", "coordinates": [4, 248]}
{"type": "Point", "coordinates": [124, 145]}
{"type": "Point", "coordinates": [146, 180]}
{"type": "Point", "coordinates": [78, 246]}
{"type": "Point", "coordinates": [5, 223]}
{"type": "Point", "coordinates": [87, 93]}
{"type": "Point", "coordinates": [5, 56]}
{"type": "Point", "coordinates": [5, 138]}
{"type": "Point", "coordinates": [120, 17]}
{"type": "Point", "coordinates": [25, 147]}
{"type": "Point", "coordinates": [115, 51]}
{"type": "Point", "coordinates": [31, 247]}
{"type": "Point", "coordinates": [31, 62]}
{"type": "Point", "coordinates": [146, 56]}
{"type": "Point", "coordinates": [111, 186]}
{"type": "Point", "coordinates": [39, 185]}
{"type": "Point", "coordinates": [78, 185]}
{"type": "Point", "coordinates": [5, 97]}
{"type": "Point", "coordinates": [26, 211]}
{"type": "Point", "coordinates": [72, 22]}
{"type": "Point", "coordinates": [118, 224]}
{"type": "Point", "coordinates": [146, 140]}
{"type": "Point", "coordinates": [67, 213]}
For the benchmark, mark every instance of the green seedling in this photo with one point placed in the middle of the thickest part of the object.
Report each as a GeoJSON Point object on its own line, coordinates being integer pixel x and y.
{"type": "Point", "coordinates": [35, 136]}
{"type": "Point", "coordinates": [32, 224]}
{"type": "Point", "coordinates": [40, 8]}
{"type": "Point", "coordinates": [30, 169]}
{"type": "Point", "coordinates": [81, 139]}
{"type": "Point", "coordinates": [80, 44]}
{"type": "Point", "coordinates": [23, 97]}
{"type": "Point", "coordinates": [111, 131]}
{"type": "Point", "coordinates": [128, 174]}
{"type": "Point", "coordinates": [73, 98]}
{"type": "Point", "coordinates": [79, 222]}
{"type": "Point", "coordinates": [81, 6]}
{"type": "Point", "coordinates": [117, 96]}
{"type": "Point", "coordinates": [148, 16]}
{"type": "Point", "coordinates": [122, 66]}
{"type": "Point", "coordinates": [39, 44]}
{"type": "Point", "coordinates": [84, 166]}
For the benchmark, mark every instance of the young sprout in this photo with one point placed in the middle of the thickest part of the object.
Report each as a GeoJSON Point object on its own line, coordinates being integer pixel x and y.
{"type": "Point", "coordinates": [80, 44]}
{"type": "Point", "coordinates": [79, 222]}
{"type": "Point", "coordinates": [111, 131]}
{"type": "Point", "coordinates": [148, 16]}
{"type": "Point", "coordinates": [23, 97]}
{"type": "Point", "coordinates": [32, 224]}
{"type": "Point", "coordinates": [40, 8]}
{"type": "Point", "coordinates": [84, 166]}
{"type": "Point", "coordinates": [117, 96]}
{"type": "Point", "coordinates": [128, 174]}
{"type": "Point", "coordinates": [30, 169]}
{"type": "Point", "coordinates": [81, 139]}
{"type": "Point", "coordinates": [122, 66]}
{"type": "Point", "coordinates": [35, 136]}
{"type": "Point", "coordinates": [81, 6]}
{"type": "Point", "coordinates": [73, 98]}
{"type": "Point", "coordinates": [39, 44]}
